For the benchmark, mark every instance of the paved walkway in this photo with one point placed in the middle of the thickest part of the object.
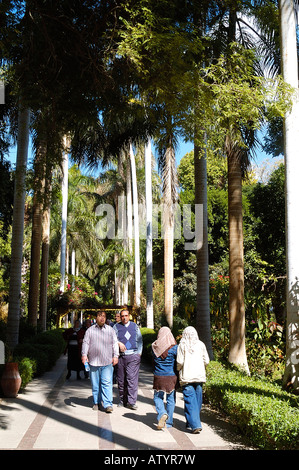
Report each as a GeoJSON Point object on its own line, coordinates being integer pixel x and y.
{"type": "Point", "coordinates": [55, 414]}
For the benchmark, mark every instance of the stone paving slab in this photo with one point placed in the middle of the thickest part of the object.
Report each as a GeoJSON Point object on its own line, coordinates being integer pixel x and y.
{"type": "Point", "coordinates": [56, 414]}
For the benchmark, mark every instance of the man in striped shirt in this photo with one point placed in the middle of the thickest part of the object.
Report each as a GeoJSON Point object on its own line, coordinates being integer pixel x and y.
{"type": "Point", "coordinates": [100, 349]}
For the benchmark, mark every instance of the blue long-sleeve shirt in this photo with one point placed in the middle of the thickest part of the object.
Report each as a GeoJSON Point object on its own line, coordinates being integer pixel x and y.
{"type": "Point", "coordinates": [166, 366]}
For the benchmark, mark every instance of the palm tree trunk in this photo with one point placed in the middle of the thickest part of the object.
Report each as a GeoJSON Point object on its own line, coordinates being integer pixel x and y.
{"type": "Point", "coordinates": [44, 270]}
{"type": "Point", "coordinates": [237, 350]}
{"type": "Point", "coordinates": [291, 132]}
{"type": "Point", "coordinates": [45, 251]}
{"type": "Point", "coordinates": [169, 190]}
{"type": "Point", "coordinates": [136, 228]}
{"type": "Point", "coordinates": [37, 217]}
{"type": "Point", "coordinates": [13, 319]}
{"type": "Point", "coordinates": [149, 237]}
{"type": "Point", "coordinates": [130, 231]}
{"type": "Point", "coordinates": [64, 214]}
{"type": "Point", "coordinates": [121, 278]}
{"type": "Point", "coordinates": [202, 254]}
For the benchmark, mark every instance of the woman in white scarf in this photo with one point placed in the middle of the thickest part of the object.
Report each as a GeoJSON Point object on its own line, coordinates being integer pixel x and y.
{"type": "Point", "coordinates": [192, 357]}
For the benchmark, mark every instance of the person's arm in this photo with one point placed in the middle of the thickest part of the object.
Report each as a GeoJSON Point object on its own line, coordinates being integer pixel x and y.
{"type": "Point", "coordinates": [85, 346]}
{"type": "Point", "coordinates": [179, 358]}
{"type": "Point", "coordinates": [115, 347]}
{"type": "Point", "coordinates": [206, 358]}
{"type": "Point", "coordinates": [139, 341]}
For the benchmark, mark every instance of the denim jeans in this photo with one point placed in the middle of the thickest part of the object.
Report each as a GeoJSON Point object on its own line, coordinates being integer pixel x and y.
{"type": "Point", "coordinates": [160, 406]}
{"type": "Point", "coordinates": [192, 404]}
{"type": "Point", "coordinates": [101, 383]}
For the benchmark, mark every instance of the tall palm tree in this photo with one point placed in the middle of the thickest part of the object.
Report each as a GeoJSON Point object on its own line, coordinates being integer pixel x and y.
{"type": "Point", "coordinates": [237, 349]}
{"type": "Point", "coordinates": [37, 215]}
{"type": "Point", "coordinates": [136, 227]}
{"type": "Point", "coordinates": [202, 252]}
{"type": "Point", "coordinates": [18, 229]}
{"type": "Point", "coordinates": [238, 143]}
{"type": "Point", "coordinates": [45, 251]}
{"type": "Point", "coordinates": [65, 162]}
{"type": "Point", "coordinates": [289, 56]}
{"type": "Point", "coordinates": [149, 235]}
{"type": "Point", "coordinates": [169, 199]}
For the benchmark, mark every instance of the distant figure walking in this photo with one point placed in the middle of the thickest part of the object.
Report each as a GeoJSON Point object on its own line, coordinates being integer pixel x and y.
{"type": "Point", "coordinates": [73, 337]}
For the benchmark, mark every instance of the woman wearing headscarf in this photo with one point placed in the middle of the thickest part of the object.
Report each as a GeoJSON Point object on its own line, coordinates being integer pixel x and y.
{"type": "Point", "coordinates": [192, 357]}
{"type": "Point", "coordinates": [164, 351]}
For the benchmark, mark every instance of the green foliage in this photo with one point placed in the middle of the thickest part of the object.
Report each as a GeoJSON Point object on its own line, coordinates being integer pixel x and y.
{"type": "Point", "coordinates": [78, 293]}
{"type": "Point", "coordinates": [6, 191]}
{"type": "Point", "coordinates": [34, 353]}
{"type": "Point", "coordinates": [5, 250]}
{"type": "Point", "coordinates": [265, 414]}
{"type": "Point", "coordinates": [27, 369]}
{"type": "Point", "coordinates": [219, 300]}
{"type": "Point", "coordinates": [236, 100]}
{"type": "Point", "coordinates": [42, 350]}
{"type": "Point", "coordinates": [148, 336]}
{"type": "Point", "coordinates": [158, 304]}
{"type": "Point", "coordinates": [267, 205]}
{"type": "Point", "coordinates": [264, 265]}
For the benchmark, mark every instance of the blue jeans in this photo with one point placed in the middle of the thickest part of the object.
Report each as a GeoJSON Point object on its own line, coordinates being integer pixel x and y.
{"type": "Point", "coordinates": [192, 404]}
{"type": "Point", "coordinates": [101, 383]}
{"type": "Point", "coordinates": [160, 406]}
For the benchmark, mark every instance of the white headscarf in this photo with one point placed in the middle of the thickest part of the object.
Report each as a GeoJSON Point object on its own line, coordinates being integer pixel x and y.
{"type": "Point", "coordinates": [189, 339]}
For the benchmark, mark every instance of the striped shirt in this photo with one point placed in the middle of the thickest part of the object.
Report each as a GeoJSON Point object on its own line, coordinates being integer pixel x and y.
{"type": "Point", "coordinates": [100, 345]}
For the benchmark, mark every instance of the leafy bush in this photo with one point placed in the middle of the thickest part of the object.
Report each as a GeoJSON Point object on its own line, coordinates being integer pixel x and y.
{"type": "Point", "coordinates": [27, 369]}
{"type": "Point", "coordinates": [34, 353]}
{"type": "Point", "coordinates": [43, 349]}
{"type": "Point", "coordinates": [148, 336]}
{"type": "Point", "coordinates": [262, 411]}
{"type": "Point", "coordinates": [53, 338]}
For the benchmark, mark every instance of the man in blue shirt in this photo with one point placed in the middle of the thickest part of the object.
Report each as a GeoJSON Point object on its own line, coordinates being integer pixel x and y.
{"type": "Point", "coordinates": [130, 348]}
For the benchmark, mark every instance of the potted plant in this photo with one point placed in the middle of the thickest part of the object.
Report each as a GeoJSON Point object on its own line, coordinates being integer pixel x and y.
{"type": "Point", "coordinates": [11, 380]}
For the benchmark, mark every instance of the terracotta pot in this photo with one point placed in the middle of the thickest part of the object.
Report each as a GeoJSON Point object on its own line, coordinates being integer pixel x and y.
{"type": "Point", "coordinates": [11, 380]}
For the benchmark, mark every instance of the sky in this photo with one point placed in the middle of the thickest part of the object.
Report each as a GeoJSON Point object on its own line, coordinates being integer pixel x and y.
{"type": "Point", "coordinates": [183, 148]}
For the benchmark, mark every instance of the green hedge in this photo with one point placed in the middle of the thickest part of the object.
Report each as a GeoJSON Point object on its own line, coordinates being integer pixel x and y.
{"type": "Point", "coordinates": [267, 415]}
{"type": "Point", "coordinates": [148, 337]}
{"type": "Point", "coordinates": [38, 354]}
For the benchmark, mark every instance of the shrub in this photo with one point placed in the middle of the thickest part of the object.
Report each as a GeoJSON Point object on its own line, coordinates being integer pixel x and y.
{"type": "Point", "coordinates": [36, 354]}
{"type": "Point", "coordinates": [263, 412]}
{"type": "Point", "coordinates": [27, 369]}
{"type": "Point", "coordinates": [53, 338]}
{"type": "Point", "coordinates": [148, 336]}
{"type": "Point", "coordinates": [43, 349]}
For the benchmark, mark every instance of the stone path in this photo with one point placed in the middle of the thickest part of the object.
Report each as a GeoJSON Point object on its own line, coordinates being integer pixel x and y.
{"type": "Point", "coordinates": [55, 414]}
